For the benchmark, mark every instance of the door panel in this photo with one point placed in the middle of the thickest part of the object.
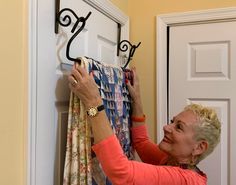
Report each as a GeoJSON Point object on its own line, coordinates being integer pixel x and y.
{"type": "Point", "coordinates": [100, 33]}
{"type": "Point", "coordinates": [216, 164]}
{"type": "Point", "coordinates": [202, 69]}
{"type": "Point", "coordinates": [97, 40]}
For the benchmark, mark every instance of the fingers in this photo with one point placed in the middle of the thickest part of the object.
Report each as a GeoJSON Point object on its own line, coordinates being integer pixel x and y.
{"type": "Point", "coordinates": [71, 87]}
{"type": "Point", "coordinates": [131, 90]}
{"type": "Point", "coordinates": [79, 76]}
{"type": "Point", "coordinates": [80, 70]}
{"type": "Point", "coordinates": [76, 74]}
{"type": "Point", "coordinates": [91, 74]}
{"type": "Point", "coordinates": [72, 80]}
{"type": "Point", "coordinates": [128, 84]}
{"type": "Point", "coordinates": [135, 77]}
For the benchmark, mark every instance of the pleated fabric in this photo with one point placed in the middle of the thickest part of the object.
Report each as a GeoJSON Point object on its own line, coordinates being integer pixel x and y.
{"type": "Point", "coordinates": [81, 165]}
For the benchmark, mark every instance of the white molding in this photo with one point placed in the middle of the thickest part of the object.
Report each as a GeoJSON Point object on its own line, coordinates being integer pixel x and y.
{"type": "Point", "coordinates": [104, 6]}
{"type": "Point", "coordinates": [162, 22]}
{"type": "Point", "coordinates": [162, 77]}
{"type": "Point", "coordinates": [109, 9]}
{"type": "Point", "coordinates": [32, 92]}
{"type": "Point", "coordinates": [199, 16]}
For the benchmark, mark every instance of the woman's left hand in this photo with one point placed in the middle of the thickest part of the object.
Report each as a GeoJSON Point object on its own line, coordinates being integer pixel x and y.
{"type": "Point", "coordinates": [84, 86]}
{"type": "Point", "coordinates": [134, 91]}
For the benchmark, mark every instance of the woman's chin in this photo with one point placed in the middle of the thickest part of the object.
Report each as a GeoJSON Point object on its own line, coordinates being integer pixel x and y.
{"type": "Point", "coordinates": [164, 146]}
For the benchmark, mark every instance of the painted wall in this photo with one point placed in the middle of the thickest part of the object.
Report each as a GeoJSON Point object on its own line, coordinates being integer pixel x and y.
{"type": "Point", "coordinates": [13, 75]}
{"type": "Point", "coordinates": [12, 94]}
{"type": "Point", "coordinates": [143, 28]}
{"type": "Point", "coordinates": [121, 4]}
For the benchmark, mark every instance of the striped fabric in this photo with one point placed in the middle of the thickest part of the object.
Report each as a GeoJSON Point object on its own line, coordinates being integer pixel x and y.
{"type": "Point", "coordinates": [81, 164]}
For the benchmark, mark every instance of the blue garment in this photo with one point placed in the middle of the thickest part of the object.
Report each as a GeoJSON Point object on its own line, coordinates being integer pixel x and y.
{"type": "Point", "coordinates": [117, 101]}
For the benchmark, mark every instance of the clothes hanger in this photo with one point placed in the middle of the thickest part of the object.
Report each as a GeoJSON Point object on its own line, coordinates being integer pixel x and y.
{"type": "Point", "coordinates": [126, 45]}
{"type": "Point", "coordinates": [66, 21]}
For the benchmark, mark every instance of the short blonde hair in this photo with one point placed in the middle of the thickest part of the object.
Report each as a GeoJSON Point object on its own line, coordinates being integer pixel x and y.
{"type": "Point", "coordinates": [208, 129]}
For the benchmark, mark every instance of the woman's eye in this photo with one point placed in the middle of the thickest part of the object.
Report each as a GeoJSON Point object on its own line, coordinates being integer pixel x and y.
{"type": "Point", "coordinates": [178, 126]}
{"type": "Point", "coordinates": [172, 121]}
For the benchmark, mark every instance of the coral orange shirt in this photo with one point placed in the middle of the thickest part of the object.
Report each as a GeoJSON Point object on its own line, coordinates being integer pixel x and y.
{"type": "Point", "coordinates": [122, 171]}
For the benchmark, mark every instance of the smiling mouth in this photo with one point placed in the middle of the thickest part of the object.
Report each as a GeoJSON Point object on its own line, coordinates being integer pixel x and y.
{"type": "Point", "coordinates": [167, 140]}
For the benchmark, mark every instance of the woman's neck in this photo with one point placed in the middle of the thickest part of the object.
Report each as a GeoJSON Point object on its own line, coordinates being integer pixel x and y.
{"type": "Point", "coordinates": [171, 161]}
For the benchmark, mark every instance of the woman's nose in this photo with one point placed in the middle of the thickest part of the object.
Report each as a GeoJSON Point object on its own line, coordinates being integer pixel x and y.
{"type": "Point", "coordinates": [167, 128]}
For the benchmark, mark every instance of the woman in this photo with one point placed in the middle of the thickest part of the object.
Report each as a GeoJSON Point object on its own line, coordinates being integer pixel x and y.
{"type": "Point", "coordinates": [191, 136]}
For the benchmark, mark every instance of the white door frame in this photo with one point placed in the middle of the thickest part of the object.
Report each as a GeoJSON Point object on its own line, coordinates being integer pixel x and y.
{"type": "Point", "coordinates": [164, 21]}
{"type": "Point", "coordinates": [104, 6]}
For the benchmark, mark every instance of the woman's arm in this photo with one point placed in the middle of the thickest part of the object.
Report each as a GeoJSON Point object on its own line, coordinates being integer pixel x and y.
{"type": "Point", "coordinates": [87, 91]}
{"type": "Point", "coordinates": [122, 171]}
{"type": "Point", "coordinates": [147, 150]}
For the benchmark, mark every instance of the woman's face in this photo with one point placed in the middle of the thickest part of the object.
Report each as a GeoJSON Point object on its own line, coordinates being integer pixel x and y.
{"type": "Point", "coordinates": [178, 139]}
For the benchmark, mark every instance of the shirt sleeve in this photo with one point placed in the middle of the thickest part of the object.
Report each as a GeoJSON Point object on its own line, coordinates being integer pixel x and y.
{"type": "Point", "coordinates": [148, 151]}
{"type": "Point", "coordinates": [122, 171]}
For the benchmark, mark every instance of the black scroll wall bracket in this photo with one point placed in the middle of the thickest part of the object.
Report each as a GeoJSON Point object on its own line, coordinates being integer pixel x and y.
{"type": "Point", "coordinates": [124, 45]}
{"type": "Point", "coordinates": [67, 21]}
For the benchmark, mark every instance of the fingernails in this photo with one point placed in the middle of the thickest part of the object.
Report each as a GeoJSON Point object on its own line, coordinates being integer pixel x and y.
{"type": "Point", "coordinates": [91, 73]}
{"type": "Point", "coordinates": [76, 65]}
{"type": "Point", "coordinates": [126, 81]}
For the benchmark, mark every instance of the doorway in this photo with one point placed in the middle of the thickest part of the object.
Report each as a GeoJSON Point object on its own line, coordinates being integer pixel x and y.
{"type": "Point", "coordinates": [48, 85]}
{"type": "Point", "coordinates": [197, 73]}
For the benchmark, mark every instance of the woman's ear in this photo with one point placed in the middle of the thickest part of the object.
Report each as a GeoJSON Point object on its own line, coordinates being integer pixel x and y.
{"type": "Point", "coordinates": [200, 148]}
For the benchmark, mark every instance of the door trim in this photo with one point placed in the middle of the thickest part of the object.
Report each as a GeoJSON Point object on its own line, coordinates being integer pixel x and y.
{"type": "Point", "coordinates": [162, 23]}
{"type": "Point", "coordinates": [109, 9]}
{"type": "Point", "coordinates": [113, 12]}
{"type": "Point", "coordinates": [104, 6]}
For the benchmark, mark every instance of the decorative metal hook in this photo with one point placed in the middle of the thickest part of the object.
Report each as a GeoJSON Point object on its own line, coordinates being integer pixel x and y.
{"type": "Point", "coordinates": [125, 47]}
{"type": "Point", "coordinates": [66, 21]}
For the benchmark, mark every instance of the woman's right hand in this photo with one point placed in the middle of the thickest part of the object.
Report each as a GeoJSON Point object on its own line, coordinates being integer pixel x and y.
{"type": "Point", "coordinates": [84, 86]}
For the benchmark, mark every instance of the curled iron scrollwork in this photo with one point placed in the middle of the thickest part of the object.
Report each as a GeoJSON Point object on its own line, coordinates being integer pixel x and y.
{"type": "Point", "coordinates": [66, 21]}
{"type": "Point", "coordinates": [124, 45]}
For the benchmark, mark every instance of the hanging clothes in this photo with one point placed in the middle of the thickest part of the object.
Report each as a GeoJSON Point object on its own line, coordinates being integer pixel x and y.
{"type": "Point", "coordinates": [77, 168]}
{"type": "Point", "coordinates": [81, 164]}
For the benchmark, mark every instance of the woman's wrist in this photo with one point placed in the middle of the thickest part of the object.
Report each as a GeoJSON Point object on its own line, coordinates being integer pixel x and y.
{"type": "Point", "coordinates": [94, 102]}
{"type": "Point", "coordinates": [138, 120]}
{"type": "Point", "coordinates": [137, 109]}
{"type": "Point", "coordinates": [141, 118]}
{"type": "Point", "coordinates": [136, 100]}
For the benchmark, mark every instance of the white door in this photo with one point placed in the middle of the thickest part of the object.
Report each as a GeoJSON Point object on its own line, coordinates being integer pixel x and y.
{"type": "Point", "coordinates": [202, 69]}
{"type": "Point", "coordinates": [49, 86]}
{"type": "Point", "coordinates": [98, 39]}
